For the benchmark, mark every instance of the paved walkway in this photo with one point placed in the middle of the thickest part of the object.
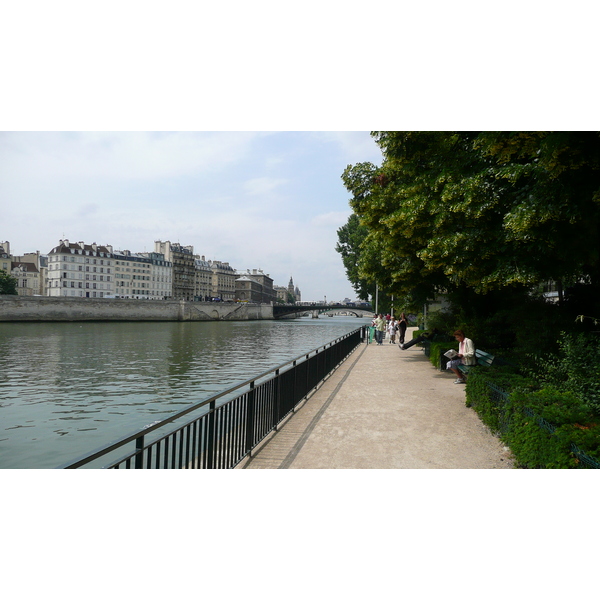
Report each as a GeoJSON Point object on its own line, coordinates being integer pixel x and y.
{"type": "Point", "coordinates": [383, 408]}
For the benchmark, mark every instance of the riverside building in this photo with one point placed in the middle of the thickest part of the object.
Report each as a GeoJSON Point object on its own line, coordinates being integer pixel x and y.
{"type": "Point", "coordinates": [132, 275]}
{"type": "Point", "coordinates": [203, 279]}
{"type": "Point", "coordinates": [161, 287]}
{"type": "Point", "coordinates": [81, 270]}
{"type": "Point", "coordinates": [223, 280]}
{"type": "Point", "coordinates": [255, 286]}
{"type": "Point", "coordinates": [184, 268]}
{"type": "Point", "coordinates": [33, 268]}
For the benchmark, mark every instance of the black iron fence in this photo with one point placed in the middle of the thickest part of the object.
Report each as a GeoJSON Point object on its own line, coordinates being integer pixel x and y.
{"type": "Point", "coordinates": [224, 434]}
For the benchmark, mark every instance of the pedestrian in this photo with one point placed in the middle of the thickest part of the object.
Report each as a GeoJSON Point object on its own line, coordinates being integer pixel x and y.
{"type": "Point", "coordinates": [392, 330]}
{"type": "Point", "coordinates": [402, 325]}
{"type": "Point", "coordinates": [465, 356]}
{"type": "Point", "coordinates": [380, 324]}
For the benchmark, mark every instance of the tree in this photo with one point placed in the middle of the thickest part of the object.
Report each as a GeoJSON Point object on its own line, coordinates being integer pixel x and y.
{"type": "Point", "coordinates": [351, 236]}
{"type": "Point", "coordinates": [475, 213]}
{"type": "Point", "coordinates": [8, 284]}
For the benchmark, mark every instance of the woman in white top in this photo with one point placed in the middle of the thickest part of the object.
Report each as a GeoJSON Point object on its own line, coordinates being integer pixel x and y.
{"type": "Point", "coordinates": [465, 356]}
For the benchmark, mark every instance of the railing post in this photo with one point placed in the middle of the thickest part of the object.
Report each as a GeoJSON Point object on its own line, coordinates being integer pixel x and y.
{"type": "Point", "coordinates": [210, 451]}
{"type": "Point", "coordinates": [250, 419]}
{"type": "Point", "coordinates": [294, 364]}
{"type": "Point", "coordinates": [277, 400]}
{"type": "Point", "coordinates": [139, 457]}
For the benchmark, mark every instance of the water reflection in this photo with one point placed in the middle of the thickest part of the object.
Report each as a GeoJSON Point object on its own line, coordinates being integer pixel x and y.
{"type": "Point", "coordinates": [67, 388]}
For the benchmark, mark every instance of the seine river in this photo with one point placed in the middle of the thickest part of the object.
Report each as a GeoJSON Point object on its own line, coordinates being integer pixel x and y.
{"type": "Point", "coordinates": [69, 388]}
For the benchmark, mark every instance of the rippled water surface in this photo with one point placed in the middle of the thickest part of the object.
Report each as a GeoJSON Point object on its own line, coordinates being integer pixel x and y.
{"type": "Point", "coordinates": [68, 388]}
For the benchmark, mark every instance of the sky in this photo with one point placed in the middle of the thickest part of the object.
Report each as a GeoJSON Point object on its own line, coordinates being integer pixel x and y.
{"type": "Point", "coordinates": [258, 200]}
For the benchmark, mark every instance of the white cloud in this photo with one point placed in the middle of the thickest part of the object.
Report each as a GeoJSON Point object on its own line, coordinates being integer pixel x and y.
{"type": "Point", "coordinates": [331, 219]}
{"type": "Point", "coordinates": [262, 185]}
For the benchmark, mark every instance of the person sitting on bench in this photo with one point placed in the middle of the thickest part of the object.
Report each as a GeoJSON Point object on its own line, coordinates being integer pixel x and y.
{"type": "Point", "coordinates": [465, 356]}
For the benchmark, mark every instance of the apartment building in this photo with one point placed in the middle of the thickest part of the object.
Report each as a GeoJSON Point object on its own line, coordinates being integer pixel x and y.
{"type": "Point", "coordinates": [255, 286]}
{"type": "Point", "coordinates": [162, 275]}
{"type": "Point", "coordinates": [184, 268]}
{"type": "Point", "coordinates": [133, 275]}
{"type": "Point", "coordinates": [32, 281]}
{"type": "Point", "coordinates": [223, 280]}
{"type": "Point", "coordinates": [81, 270]}
{"type": "Point", "coordinates": [203, 279]}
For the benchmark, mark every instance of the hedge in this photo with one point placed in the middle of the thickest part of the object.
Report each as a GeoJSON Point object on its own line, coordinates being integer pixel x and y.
{"type": "Point", "coordinates": [544, 428]}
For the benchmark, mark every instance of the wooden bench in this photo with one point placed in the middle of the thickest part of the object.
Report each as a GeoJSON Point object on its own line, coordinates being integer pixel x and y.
{"type": "Point", "coordinates": [484, 359]}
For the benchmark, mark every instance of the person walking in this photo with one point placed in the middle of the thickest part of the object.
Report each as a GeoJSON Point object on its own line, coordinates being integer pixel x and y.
{"type": "Point", "coordinates": [402, 325]}
{"type": "Point", "coordinates": [392, 327]}
{"type": "Point", "coordinates": [380, 324]}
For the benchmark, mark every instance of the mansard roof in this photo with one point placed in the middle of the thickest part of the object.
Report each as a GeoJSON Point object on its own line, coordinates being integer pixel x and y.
{"type": "Point", "coordinates": [66, 247]}
{"type": "Point", "coordinates": [25, 266]}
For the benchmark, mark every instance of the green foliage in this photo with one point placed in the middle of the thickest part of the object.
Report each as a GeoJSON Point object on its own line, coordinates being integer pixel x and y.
{"type": "Point", "coordinates": [437, 349]}
{"type": "Point", "coordinates": [575, 368]}
{"type": "Point", "coordinates": [494, 411]}
{"type": "Point", "coordinates": [539, 425]}
{"type": "Point", "coordinates": [350, 238]}
{"type": "Point", "coordinates": [442, 321]}
{"type": "Point", "coordinates": [586, 437]}
{"type": "Point", "coordinates": [475, 213]}
{"type": "Point", "coordinates": [8, 284]}
{"type": "Point", "coordinates": [556, 407]}
{"type": "Point", "coordinates": [530, 439]}
{"type": "Point", "coordinates": [536, 448]}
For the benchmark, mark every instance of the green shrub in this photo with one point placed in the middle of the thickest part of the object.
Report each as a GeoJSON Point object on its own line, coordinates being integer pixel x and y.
{"type": "Point", "coordinates": [556, 407]}
{"type": "Point", "coordinates": [586, 437]}
{"type": "Point", "coordinates": [545, 444]}
{"type": "Point", "coordinates": [491, 407]}
{"type": "Point", "coordinates": [534, 447]}
{"type": "Point", "coordinates": [575, 368]}
{"type": "Point", "coordinates": [436, 351]}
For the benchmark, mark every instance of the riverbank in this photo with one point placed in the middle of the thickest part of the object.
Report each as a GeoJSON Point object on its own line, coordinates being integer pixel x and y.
{"type": "Point", "coordinates": [50, 309]}
{"type": "Point", "coordinates": [384, 408]}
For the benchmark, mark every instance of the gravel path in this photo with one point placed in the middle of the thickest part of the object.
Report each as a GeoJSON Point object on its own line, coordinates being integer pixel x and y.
{"type": "Point", "coordinates": [384, 408]}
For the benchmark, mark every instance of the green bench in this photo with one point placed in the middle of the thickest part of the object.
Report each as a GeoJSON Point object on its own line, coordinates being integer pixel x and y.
{"type": "Point", "coordinates": [484, 359]}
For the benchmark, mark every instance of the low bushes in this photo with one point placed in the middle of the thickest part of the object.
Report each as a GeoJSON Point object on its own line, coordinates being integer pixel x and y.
{"type": "Point", "coordinates": [436, 353]}
{"type": "Point", "coordinates": [544, 428]}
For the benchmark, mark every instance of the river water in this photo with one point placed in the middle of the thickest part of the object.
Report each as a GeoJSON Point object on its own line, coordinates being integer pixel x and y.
{"type": "Point", "coordinates": [69, 388]}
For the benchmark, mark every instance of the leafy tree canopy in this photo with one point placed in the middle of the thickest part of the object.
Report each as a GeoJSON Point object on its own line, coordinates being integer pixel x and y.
{"type": "Point", "coordinates": [477, 212]}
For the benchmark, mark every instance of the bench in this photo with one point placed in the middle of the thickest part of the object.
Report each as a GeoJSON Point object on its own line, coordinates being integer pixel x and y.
{"type": "Point", "coordinates": [484, 359]}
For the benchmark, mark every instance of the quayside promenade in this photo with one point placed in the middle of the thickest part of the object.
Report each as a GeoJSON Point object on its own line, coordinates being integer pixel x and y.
{"type": "Point", "coordinates": [383, 408]}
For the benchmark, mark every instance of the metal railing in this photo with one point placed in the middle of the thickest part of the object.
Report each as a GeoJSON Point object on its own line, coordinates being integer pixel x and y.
{"type": "Point", "coordinates": [223, 435]}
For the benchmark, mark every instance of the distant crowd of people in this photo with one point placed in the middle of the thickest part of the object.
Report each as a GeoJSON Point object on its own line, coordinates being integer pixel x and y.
{"type": "Point", "coordinates": [388, 327]}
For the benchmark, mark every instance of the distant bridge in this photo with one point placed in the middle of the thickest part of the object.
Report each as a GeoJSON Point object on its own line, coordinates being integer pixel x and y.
{"type": "Point", "coordinates": [281, 311]}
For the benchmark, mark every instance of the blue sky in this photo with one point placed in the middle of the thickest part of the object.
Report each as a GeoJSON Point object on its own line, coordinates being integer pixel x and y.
{"type": "Point", "coordinates": [268, 200]}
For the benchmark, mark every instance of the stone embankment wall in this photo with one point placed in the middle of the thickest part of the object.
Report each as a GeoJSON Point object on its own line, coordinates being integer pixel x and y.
{"type": "Point", "coordinates": [28, 308]}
